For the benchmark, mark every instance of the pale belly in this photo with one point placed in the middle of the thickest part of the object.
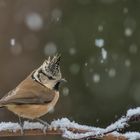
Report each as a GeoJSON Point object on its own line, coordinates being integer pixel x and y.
{"type": "Point", "coordinates": [33, 111]}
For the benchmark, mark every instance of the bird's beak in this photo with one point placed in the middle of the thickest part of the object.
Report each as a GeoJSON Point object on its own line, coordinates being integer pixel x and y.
{"type": "Point", "coordinates": [63, 80]}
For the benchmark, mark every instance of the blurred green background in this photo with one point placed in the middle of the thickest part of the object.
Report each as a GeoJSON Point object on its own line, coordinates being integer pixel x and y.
{"type": "Point", "coordinates": [99, 42]}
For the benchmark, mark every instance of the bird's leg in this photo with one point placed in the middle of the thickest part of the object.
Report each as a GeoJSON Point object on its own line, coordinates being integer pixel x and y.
{"type": "Point", "coordinates": [46, 125]}
{"type": "Point", "coordinates": [43, 122]}
{"type": "Point", "coordinates": [21, 125]}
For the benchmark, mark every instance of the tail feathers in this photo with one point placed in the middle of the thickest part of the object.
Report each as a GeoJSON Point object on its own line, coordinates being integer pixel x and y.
{"type": "Point", "coordinates": [1, 106]}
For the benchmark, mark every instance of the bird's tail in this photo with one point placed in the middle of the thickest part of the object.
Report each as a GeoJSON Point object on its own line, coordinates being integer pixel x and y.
{"type": "Point", "coordinates": [1, 106]}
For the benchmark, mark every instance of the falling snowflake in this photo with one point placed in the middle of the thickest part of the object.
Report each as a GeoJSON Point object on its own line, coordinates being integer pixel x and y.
{"type": "Point", "coordinates": [99, 43]}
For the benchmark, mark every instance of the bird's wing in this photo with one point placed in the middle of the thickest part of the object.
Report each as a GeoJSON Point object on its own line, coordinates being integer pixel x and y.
{"type": "Point", "coordinates": [27, 97]}
{"type": "Point", "coordinates": [28, 94]}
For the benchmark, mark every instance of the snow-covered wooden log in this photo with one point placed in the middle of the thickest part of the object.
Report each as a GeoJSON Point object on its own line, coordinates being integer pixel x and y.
{"type": "Point", "coordinates": [72, 130]}
{"type": "Point", "coordinates": [37, 129]}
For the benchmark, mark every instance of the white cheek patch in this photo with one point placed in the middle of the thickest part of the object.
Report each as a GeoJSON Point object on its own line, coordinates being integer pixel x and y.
{"type": "Point", "coordinates": [43, 67]}
{"type": "Point", "coordinates": [36, 75]}
{"type": "Point", "coordinates": [51, 109]}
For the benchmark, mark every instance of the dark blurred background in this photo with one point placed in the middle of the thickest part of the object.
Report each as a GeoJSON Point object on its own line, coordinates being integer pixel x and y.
{"type": "Point", "coordinates": [99, 41]}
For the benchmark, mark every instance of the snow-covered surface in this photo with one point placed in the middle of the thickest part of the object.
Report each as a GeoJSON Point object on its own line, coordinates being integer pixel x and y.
{"type": "Point", "coordinates": [32, 125]}
{"type": "Point", "coordinates": [65, 125]}
{"type": "Point", "coordinates": [15, 126]}
{"type": "Point", "coordinates": [60, 123]}
{"type": "Point", "coordinates": [71, 135]}
{"type": "Point", "coordinates": [121, 123]}
{"type": "Point", "coordinates": [132, 112]}
{"type": "Point", "coordinates": [132, 135]}
{"type": "Point", "coordinates": [9, 126]}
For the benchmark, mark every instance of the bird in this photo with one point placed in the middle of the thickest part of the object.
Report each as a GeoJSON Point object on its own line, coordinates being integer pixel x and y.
{"type": "Point", "coordinates": [38, 93]}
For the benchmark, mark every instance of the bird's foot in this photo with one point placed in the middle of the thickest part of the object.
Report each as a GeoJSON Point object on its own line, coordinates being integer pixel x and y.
{"type": "Point", "coordinates": [21, 130]}
{"type": "Point", "coordinates": [21, 126]}
{"type": "Point", "coordinates": [46, 127]}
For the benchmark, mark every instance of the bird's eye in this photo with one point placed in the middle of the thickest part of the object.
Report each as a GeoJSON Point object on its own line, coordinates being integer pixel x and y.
{"type": "Point", "coordinates": [50, 77]}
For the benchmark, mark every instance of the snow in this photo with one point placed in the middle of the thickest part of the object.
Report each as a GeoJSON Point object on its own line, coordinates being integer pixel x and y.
{"type": "Point", "coordinates": [65, 125]}
{"type": "Point", "coordinates": [71, 135]}
{"type": "Point", "coordinates": [16, 48]}
{"type": "Point", "coordinates": [15, 126]}
{"type": "Point", "coordinates": [96, 78]}
{"type": "Point", "coordinates": [32, 125]}
{"type": "Point", "coordinates": [123, 122]}
{"type": "Point", "coordinates": [132, 135]}
{"type": "Point", "coordinates": [99, 43]}
{"type": "Point", "coordinates": [125, 10]}
{"type": "Point", "coordinates": [60, 123]}
{"type": "Point", "coordinates": [95, 132]}
{"type": "Point", "coordinates": [72, 51]}
{"type": "Point", "coordinates": [86, 64]}
{"type": "Point", "coordinates": [104, 53]}
{"type": "Point", "coordinates": [128, 135]}
{"type": "Point", "coordinates": [56, 14]}
{"type": "Point", "coordinates": [65, 91]}
{"type": "Point", "coordinates": [12, 41]}
{"type": "Point", "coordinates": [120, 124]}
{"type": "Point", "coordinates": [9, 126]}
{"type": "Point", "coordinates": [34, 21]}
{"type": "Point", "coordinates": [100, 28]}
{"type": "Point", "coordinates": [50, 48]}
{"type": "Point", "coordinates": [128, 32]}
{"type": "Point", "coordinates": [132, 112]}
{"type": "Point", "coordinates": [127, 63]}
{"type": "Point", "coordinates": [112, 72]}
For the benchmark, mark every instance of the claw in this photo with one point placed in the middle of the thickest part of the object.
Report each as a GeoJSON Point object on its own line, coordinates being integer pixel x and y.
{"type": "Point", "coordinates": [54, 128]}
{"type": "Point", "coordinates": [21, 126]}
{"type": "Point", "coordinates": [22, 131]}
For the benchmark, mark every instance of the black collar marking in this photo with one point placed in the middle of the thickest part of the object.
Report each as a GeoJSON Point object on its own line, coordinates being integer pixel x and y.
{"type": "Point", "coordinates": [49, 77]}
{"type": "Point", "coordinates": [56, 87]}
{"type": "Point", "coordinates": [37, 80]}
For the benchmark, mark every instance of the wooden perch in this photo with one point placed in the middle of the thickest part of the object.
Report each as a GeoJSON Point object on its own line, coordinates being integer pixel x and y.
{"type": "Point", "coordinates": [30, 132]}
{"type": "Point", "coordinates": [72, 130]}
{"type": "Point", "coordinates": [39, 132]}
